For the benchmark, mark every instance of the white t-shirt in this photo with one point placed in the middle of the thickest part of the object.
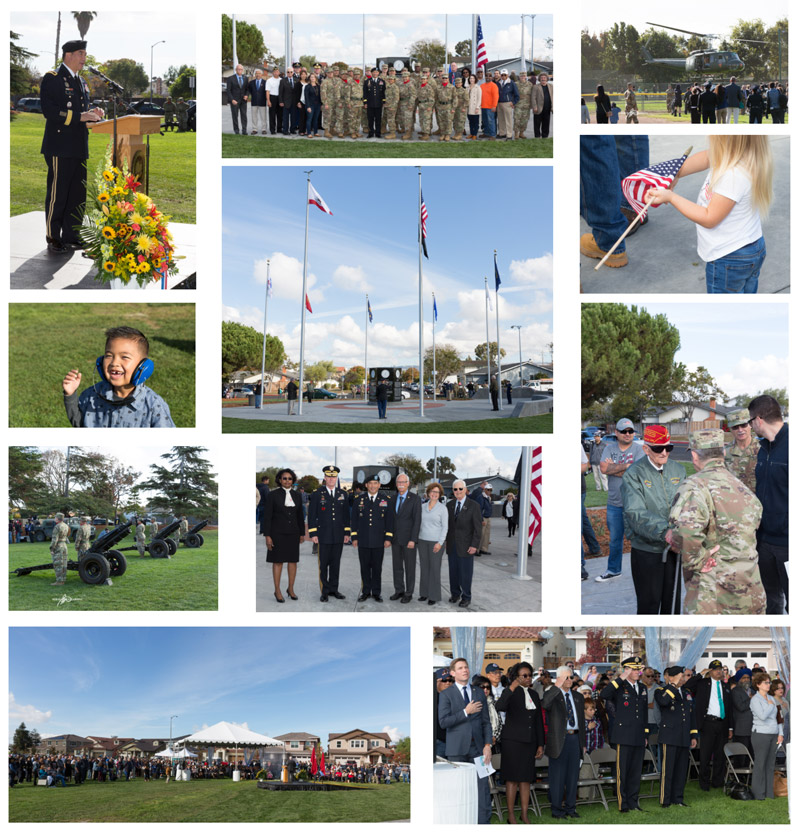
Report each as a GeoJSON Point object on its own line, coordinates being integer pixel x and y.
{"type": "Point", "coordinates": [740, 227]}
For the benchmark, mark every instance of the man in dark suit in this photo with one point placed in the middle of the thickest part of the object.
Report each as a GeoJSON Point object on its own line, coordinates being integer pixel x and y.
{"type": "Point", "coordinates": [237, 97]}
{"type": "Point", "coordinates": [566, 743]}
{"type": "Point", "coordinates": [289, 94]}
{"type": "Point", "coordinates": [329, 528]}
{"type": "Point", "coordinates": [464, 716]}
{"type": "Point", "coordinates": [258, 102]}
{"type": "Point", "coordinates": [407, 518]}
{"type": "Point", "coordinates": [463, 538]}
{"type": "Point", "coordinates": [713, 711]}
{"type": "Point", "coordinates": [371, 531]}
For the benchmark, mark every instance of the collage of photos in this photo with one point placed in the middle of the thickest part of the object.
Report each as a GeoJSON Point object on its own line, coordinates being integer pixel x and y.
{"type": "Point", "coordinates": [383, 203]}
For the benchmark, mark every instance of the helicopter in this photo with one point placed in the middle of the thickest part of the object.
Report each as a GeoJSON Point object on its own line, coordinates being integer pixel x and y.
{"type": "Point", "coordinates": [701, 60]}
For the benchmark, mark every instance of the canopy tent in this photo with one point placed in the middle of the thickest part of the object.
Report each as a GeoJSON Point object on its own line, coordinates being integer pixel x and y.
{"type": "Point", "coordinates": [470, 642]}
{"type": "Point", "coordinates": [675, 645]}
{"type": "Point", "coordinates": [439, 661]}
{"type": "Point", "coordinates": [225, 734]}
{"type": "Point", "coordinates": [176, 754]}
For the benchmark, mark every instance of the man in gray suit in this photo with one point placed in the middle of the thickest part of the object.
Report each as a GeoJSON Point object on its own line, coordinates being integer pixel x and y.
{"type": "Point", "coordinates": [463, 539]}
{"type": "Point", "coordinates": [566, 743]}
{"type": "Point", "coordinates": [407, 510]}
{"type": "Point", "coordinates": [464, 716]}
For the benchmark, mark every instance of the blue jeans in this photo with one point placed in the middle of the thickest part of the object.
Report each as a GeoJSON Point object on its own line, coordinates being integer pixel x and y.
{"type": "Point", "coordinates": [312, 119]}
{"type": "Point", "coordinates": [605, 162]}
{"type": "Point", "coordinates": [737, 272]}
{"type": "Point", "coordinates": [616, 531]}
{"type": "Point", "coordinates": [489, 122]}
{"type": "Point", "coordinates": [587, 532]}
{"type": "Point", "coordinates": [381, 408]}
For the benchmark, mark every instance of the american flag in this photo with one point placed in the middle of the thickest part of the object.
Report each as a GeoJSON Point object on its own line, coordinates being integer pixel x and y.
{"type": "Point", "coordinates": [423, 219]}
{"type": "Point", "coordinates": [480, 52]}
{"type": "Point", "coordinates": [369, 310]}
{"type": "Point", "coordinates": [536, 494]}
{"type": "Point", "coordinates": [635, 186]}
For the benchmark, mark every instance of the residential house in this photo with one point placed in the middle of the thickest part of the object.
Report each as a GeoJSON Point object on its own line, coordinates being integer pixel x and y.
{"type": "Point", "coordinates": [359, 747]}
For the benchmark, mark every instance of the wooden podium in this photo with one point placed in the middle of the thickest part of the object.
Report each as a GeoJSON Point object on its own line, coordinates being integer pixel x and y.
{"type": "Point", "coordinates": [131, 147]}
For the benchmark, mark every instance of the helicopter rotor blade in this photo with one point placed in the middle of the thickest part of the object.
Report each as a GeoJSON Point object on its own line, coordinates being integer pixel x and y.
{"type": "Point", "coordinates": [676, 29]}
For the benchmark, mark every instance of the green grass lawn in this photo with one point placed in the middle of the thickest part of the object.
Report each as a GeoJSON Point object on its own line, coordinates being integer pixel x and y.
{"type": "Point", "coordinates": [186, 582]}
{"type": "Point", "coordinates": [172, 168]}
{"type": "Point", "coordinates": [595, 498]}
{"type": "Point", "coordinates": [204, 800]}
{"type": "Point", "coordinates": [713, 808]}
{"type": "Point", "coordinates": [246, 147]}
{"type": "Point", "coordinates": [47, 340]}
{"type": "Point", "coordinates": [540, 424]}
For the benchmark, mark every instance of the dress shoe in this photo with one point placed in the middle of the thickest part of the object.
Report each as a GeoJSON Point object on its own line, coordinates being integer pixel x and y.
{"type": "Point", "coordinates": [624, 810]}
{"type": "Point", "coordinates": [337, 595]}
{"type": "Point", "coordinates": [363, 597]}
{"type": "Point", "coordinates": [431, 602]}
{"type": "Point", "coordinates": [638, 807]}
{"type": "Point", "coordinates": [406, 599]}
{"type": "Point", "coordinates": [279, 599]}
{"type": "Point", "coordinates": [58, 248]}
{"type": "Point", "coordinates": [397, 595]}
{"type": "Point", "coordinates": [558, 816]}
{"type": "Point", "coordinates": [377, 597]}
{"type": "Point", "coordinates": [682, 804]}
{"type": "Point", "coordinates": [454, 599]}
{"type": "Point", "coordinates": [574, 814]}
{"type": "Point", "coordinates": [464, 603]}
{"type": "Point", "coordinates": [323, 598]}
{"type": "Point", "coordinates": [590, 249]}
{"type": "Point", "coordinates": [74, 247]}
{"type": "Point", "coordinates": [291, 594]}
{"type": "Point", "coordinates": [665, 804]}
{"type": "Point", "coordinates": [421, 599]}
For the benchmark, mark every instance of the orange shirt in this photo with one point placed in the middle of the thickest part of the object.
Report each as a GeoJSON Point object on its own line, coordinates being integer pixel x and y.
{"type": "Point", "coordinates": [489, 95]}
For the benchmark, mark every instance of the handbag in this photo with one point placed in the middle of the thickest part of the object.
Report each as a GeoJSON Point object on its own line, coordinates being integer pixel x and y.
{"type": "Point", "coordinates": [780, 785]}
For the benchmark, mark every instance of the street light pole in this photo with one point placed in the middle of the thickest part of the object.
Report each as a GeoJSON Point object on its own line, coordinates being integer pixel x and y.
{"type": "Point", "coordinates": [151, 68]}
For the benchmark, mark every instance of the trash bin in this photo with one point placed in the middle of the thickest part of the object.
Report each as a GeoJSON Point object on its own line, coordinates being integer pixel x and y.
{"type": "Point", "coordinates": [237, 776]}
{"type": "Point", "coordinates": [251, 399]}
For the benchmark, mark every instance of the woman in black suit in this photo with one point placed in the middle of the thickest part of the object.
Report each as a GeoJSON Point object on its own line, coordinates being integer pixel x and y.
{"type": "Point", "coordinates": [283, 526]}
{"type": "Point", "coordinates": [522, 739]}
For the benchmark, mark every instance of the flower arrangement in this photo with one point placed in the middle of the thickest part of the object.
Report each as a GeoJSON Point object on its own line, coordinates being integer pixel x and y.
{"type": "Point", "coordinates": [124, 233]}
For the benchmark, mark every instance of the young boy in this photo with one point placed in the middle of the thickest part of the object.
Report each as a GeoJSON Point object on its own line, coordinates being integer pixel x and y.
{"type": "Point", "coordinates": [119, 399]}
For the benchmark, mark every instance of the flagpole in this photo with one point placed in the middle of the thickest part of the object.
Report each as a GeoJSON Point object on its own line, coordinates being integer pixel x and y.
{"type": "Point", "coordinates": [488, 353]}
{"type": "Point", "coordinates": [524, 514]}
{"type": "Point", "coordinates": [497, 327]}
{"type": "Point", "coordinates": [435, 463]}
{"type": "Point", "coordinates": [474, 40]}
{"type": "Point", "coordinates": [303, 297]}
{"type": "Point", "coordinates": [446, 64]}
{"type": "Point", "coordinates": [433, 318]}
{"type": "Point", "coordinates": [366, 338]}
{"type": "Point", "coordinates": [264, 342]}
{"type": "Point", "coordinates": [235, 56]}
{"type": "Point", "coordinates": [287, 62]}
{"type": "Point", "coordinates": [421, 339]}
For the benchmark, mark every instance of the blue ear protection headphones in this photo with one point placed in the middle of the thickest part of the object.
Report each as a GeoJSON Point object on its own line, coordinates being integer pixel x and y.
{"type": "Point", "coordinates": [144, 370]}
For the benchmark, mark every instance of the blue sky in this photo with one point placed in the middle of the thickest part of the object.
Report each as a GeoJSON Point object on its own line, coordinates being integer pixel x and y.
{"type": "Point", "coordinates": [338, 37]}
{"type": "Point", "coordinates": [470, 461]}
{"type": "Point", "coordinates": [369, 245]}
{"type": "Point", "coordinates": [128, 681]}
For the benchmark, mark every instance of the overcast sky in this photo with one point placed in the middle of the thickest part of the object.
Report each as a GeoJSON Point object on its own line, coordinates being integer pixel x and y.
{"type": "Point", "coordinates": [128, 681]}
{"type": "Point", "coordinates": [369, 245]}
{"type": "Point", "coordinates": [112, 35]}
{"type": "Point", "coordinates": [338, 37]}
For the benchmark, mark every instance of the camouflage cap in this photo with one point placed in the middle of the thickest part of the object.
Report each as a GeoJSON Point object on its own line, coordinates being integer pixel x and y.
{"type": "Point", "coordinates": [706, 439]}
{"type": "Point", "coordinates": [405, 72]}
{"type": "Point", "coordinates": [739, 417]}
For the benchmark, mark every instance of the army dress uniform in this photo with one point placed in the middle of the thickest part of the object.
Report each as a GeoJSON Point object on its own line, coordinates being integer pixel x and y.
{"type": "Point", "coordinates": [329, 521]}
{"type": "Point", "coordinates": [371, 524]}
{"type": "Point", "coordinates": [83, 539]}
{"type": "Point", "coordinates": [676, 729]}
{"type": "Point", "coordinates": [628, 733]}
{"type": "Point", "coordinates": [58, 550]}
{"type": "Point", "coordinates": [65, 147]}
{"type": "Point", "coordinates": [140, 538]}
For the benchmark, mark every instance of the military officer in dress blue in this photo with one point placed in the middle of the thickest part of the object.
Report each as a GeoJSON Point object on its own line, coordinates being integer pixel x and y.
{"type": "Point", "coordinates": [628, 730]}
{"type": "Point", "coordinates": [65, 146]}
{"type": "Point", "coordinates": [677, 733]}
{"type": "Point", "coordinates": [371, 530]}
{"type": "Point", "coordinates": [329, 528]}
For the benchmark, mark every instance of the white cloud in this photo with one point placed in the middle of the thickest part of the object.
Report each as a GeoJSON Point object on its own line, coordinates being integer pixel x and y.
{"type": "Point", "coordinates": [479, 460]}
{"type": "Point", "coordinates": [750, 376]}
{"type": "Point", "coordinates": [351, 278]}
{"type": "Point", "coordinates": [31, 715]}
{"type": "Point", "coordinates": [392, 732]}
{"type": "Point", "coordinates": [286, 273]}
{"type": "Point", "coordinates": [534, 271]}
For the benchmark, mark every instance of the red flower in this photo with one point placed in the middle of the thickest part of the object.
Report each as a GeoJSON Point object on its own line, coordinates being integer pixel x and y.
{"type": "Point", "coordinates": [132, 182]}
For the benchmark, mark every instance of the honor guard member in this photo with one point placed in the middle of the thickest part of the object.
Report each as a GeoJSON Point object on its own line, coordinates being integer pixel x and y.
{"type": "Point", "coordinates": [83, 537]}
{"type": "Point", "coordinates": [184, 527]}
{"type": "Point", "coordinates": [371, 531]}
{"type": "Point", "coordinates": [58, 549]}
{"type": "Point", "coordinates": [329, 528]}
{"type": "Point", "coordinates": [677, 733]}
{"type": "Point", "coordinates": [628, 731]}
{"type": "Point", "coordinates": [140, 533]}
{"type": "Point", "coordinates": [65, 147]}
{"type": "Point", "coordinates": [742, 454]}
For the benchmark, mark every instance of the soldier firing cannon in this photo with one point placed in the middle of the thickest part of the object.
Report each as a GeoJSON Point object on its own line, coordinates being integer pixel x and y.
{"type": "Point", "coordinates": [161, 545]}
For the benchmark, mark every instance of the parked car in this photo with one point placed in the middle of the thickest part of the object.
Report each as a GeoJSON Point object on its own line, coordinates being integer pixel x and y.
{"type": "Point", "coordinates": [323, 394]}
{"type": "Point", "coordinates": [146, 108]}
{"type": "Point", "coordinates": [44, 531]}
{"type": "Point", "coordinates": [602, 668]}
{"type": "Point", "coordinates": [29, 104]}
{"type": "Point", "coordinates": [587, 437]}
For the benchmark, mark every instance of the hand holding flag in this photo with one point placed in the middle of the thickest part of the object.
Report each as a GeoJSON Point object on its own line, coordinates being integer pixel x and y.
{"type": "Point", "coordinates": [636, 186]}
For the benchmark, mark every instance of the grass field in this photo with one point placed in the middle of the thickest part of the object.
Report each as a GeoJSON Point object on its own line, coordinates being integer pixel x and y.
{"type": "Point", "coordinates": [541, 424]}
{"type": "Point", "coordinates": [204, 800]}
{"type": "Point", "coordinates": [657, 108]}
{"type": "Point", "coordinates": [172, 168]}
{"type": "Point", "coordinates": [186, 582]}
{"type": "Point", "coordinates": [246, 147]}
{"type": "Point", "coordinates": [47, 340]}
{"type": "Point", "coordinates": [595, 498]}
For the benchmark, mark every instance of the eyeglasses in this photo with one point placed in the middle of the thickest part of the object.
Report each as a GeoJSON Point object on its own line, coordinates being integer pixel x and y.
{"type": "Point", "coordinates": [625, 431]}
{"type": "Point", "coordinates": [751, 421]}
{"type": "Point", "coordinates": [526, 675]}
{"type": "Point", "coordinates": [659, 449]}
{"type": "Point", "coordinates": [458, 489]}
{"type": "Point", "coordinates": [487, 688]}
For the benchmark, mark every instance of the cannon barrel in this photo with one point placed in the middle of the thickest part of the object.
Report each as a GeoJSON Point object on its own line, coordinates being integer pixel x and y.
{"type": "Point", "coordinates": [110, 537]}
{"type": "Point", "coordinates": [165, 531]}
{"type": "Point", "coordinates": [198, 527]}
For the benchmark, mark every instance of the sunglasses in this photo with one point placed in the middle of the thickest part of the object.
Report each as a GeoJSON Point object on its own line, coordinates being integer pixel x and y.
{"type": "Point", "coordinates": [526, 675]}
{"type": "Point", "coordinates": [625, 431]}
{"type": "Point", "coordinates": [659, 449]}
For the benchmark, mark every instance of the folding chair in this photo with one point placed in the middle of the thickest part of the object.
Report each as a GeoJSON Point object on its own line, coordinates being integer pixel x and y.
{"type": "Point", "coordinates": [736, 749]}
{"type": "Point", "coordinates": [650, 772]}
{"type": "Point", "coordinates": [496, 793]}
{"type": "Point", "coordinates": [540, 784]}
{"type": "Point", "coordinates": [595, 781]}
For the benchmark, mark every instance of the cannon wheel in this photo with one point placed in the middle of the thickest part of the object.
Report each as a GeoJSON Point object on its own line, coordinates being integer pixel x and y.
{"type": "Point", "coordinates": [193, 540]}
{"type": "Point", "coordinates": [94, 569]}
{"type": "Point", "coordinates": [172, 545]}
{"type": "Point", "coordinates": [159, 549]}
{"type": "Point", "coordinates": [117, 561]}
{"type": "Point", "coordinates": [202, 539]}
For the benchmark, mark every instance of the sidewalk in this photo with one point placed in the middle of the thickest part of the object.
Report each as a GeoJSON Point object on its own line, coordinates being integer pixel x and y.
{"type": "Point", "coordinates": [493, 585]}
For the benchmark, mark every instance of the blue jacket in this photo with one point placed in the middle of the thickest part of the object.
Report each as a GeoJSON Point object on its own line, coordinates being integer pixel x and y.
{"type": "Point", "coordinates": [772, 488]}
{"type": "Point", "coordinates": [508, 92]}
{"type": "Point", "coordinates": [478, 496]}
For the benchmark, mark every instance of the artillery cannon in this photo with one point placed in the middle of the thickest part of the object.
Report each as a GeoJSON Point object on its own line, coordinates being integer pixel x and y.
{"type": "Point", "coordinates": [99, 562]}
{"type": "Point", "coordinates": [193, 537]}
{"type": "Point", "coordinates": [161, 545]}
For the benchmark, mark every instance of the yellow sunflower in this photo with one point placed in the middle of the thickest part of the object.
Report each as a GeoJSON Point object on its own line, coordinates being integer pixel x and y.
{"type": "Point", "coordinates": [108, 266]}
{"type": "Point", "coordinates": [108, 233]}
{"type": "Point", "coordinates": [108, 176]}
{"type": "Point", "coordinates": [103, 197]}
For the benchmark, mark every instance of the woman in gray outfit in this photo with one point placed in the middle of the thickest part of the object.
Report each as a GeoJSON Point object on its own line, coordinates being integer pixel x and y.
{"type": "Point", "coordinates": [432, 535]}
{"type": "Point", "coordinates": [766, 737]}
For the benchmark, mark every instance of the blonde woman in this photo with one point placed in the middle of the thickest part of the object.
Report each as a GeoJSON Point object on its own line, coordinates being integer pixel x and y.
{"type": "Point", "coordinates": [432, 535]}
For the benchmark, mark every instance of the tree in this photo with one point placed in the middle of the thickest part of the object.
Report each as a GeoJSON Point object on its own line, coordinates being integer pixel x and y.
{"type": "Point", "coordinates": [129, 74]}
{"type": "Point", "coordinates": [464, 48]}
{"type": "Point", "coordinates": [308, 61]}
{"type": "Point", "coordinates": [480, 352]}
{"type": "Point", "coordinates": [241, 349]}
{"type": "Point", "coordinates": [427, 51]}
{"type": "Point", "coordinates": [445, 467]}
{"type": "Point", "coordinates": [21, 73]}
{"type": "Point", "coordinates": [621, 51]}
{"type": "Point", "coordinates": [320, 370]}
{"type": "Point", "coordinates": [22, 739]}
{"type": "Point", "coordinates": [309, 483]}
{"type": "Point", "coordinates": [84, 19]}
{"type": "Point", "coordinates": [354, 376]}
{"type": "Point", "coordinates": [402, 751]}
{"type": "Point", "coordinates": [186, 484]}
{"type": "Point", "coordinates": [24, 470]}
{"type": "Point", "coordinates": [743, 400]}
{"type": "Point", "coordinates": [596, 647]}
{"type": "Point", "coordinates": [447, 362]}
{"type": "Point", "coordinates": [182, 86]}
{"type": "Point", "coordinates": [412, 374]}
{"type": "Point", "coordinates": [411, 465]}
{"type": "Point", "coordinates": [696, 388]}
{"type": "Point", "coordinates": [271, 472]}
{"type": "Point", "coordinates": [171, 75]}
{"type": "Point", "coordinates": [250, 46]}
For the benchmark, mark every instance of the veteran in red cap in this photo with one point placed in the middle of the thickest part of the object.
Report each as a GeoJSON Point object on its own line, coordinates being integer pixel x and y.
{"type": "Point", "coordinates": [648, 488]}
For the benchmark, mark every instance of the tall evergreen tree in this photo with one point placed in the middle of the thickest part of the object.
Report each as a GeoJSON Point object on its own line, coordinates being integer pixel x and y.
{"type": "Point", "coordinates": [186, 483]}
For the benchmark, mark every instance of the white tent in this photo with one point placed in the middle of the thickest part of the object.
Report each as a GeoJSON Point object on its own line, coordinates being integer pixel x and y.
{"type": "Point", "coordinates": [226, 734]}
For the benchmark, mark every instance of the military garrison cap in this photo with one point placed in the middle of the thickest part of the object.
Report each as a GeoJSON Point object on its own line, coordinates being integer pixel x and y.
{"type": "Point", "coordinates": [634, 662]}
{"type": "Point", "coordinates": [673, 670]}
{"type": "Point", "coordinates": [738, 417]}
{"type": "Point", "coordinates": [706, 439]}
{"type": "Point", "coordinates": [331, 471]}
{"type": "Point", "coordinates": [372, 477]}
{"type": "Point", "coordinates": [73, 46]}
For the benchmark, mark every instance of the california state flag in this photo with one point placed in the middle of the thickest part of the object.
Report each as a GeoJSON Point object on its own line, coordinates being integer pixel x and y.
{"type": "Point", "coordinates": [316, 200]}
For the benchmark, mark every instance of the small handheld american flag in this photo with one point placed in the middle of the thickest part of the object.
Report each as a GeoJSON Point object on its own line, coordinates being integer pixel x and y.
{"type": "Point", "coordinates": [635, 186]}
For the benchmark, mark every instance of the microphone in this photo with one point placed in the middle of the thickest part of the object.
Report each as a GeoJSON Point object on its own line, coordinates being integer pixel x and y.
{"type": "Point", "coordinates": [113, 84]}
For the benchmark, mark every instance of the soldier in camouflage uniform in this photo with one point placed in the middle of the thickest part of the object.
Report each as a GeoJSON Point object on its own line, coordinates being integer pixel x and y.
{"type": "Point", "coordinates": [339, 106]}
{"type": "Point", "coordinates": [391, 120]}
{"type": "Point", "coordinates": [140, 534]}
{"type": "Point", "coordinates": [426, 96]}
{"type": "Point", "coordinates": [83, 537]}
{"type": "Point", "coordinates": [169, 114]}
{"type": "Point", "coordinates": [436, 83]}
{"type": "Point", "coordinates": [522, 112]}
{"type": "Point", "coordinates": [742, 454]}
{"type": "Point", "coordinates": [363, 112]}
{"type": "Point", "coordinates": [58, 549]}
{"type": "Point", "coordinates": [184, 528]}
{"type": "Point", "coordinates": [408, 103]}
{"type": "Point", "coordinates": [328, 93]}
{"type": "Point", "coordinates": [385, 127]}
{"type": "Point", "coordinates": [445, 107]}
{"type": "Point", "coordinates": [354, 103]}
{"type": "Point", "coordinates": [153, 529]}
{"type": "Point", "coordinates": [713, 523]}
{"type": "Point", "coordinates": [182, 109]}
{"type": "Point", "coordinates": [461, 102]}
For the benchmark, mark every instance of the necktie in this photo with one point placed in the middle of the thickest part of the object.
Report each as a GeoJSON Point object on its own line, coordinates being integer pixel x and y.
{"type": "Point", "coordinates": [400, 502]}
{"type": "Point", "coordinates": [721, 701]}
{"type": "Point", "coordinates": [240, 80]}
{"type": "Point", "coordinates": [570, 711]}
{"type": "Point", "coordinates": [465, 693]}
{"type": "Point", "coordinates": [458, 509]}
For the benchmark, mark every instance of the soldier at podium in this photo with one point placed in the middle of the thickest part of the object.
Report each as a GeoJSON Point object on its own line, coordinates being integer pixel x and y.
{"type": "Point", "coordinates": [65, 107]}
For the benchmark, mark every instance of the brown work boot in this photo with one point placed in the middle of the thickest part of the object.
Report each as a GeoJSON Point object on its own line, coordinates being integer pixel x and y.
{"type": "Point", "coordinates": [590, 249]}
{"type": "Point", "coordinates": [457, 137]}
{"type": "Point", "coordinates": [388, 135]}
{"type": "Point", "coordinates": [328, 134]}
{"type": "Point", "coordinates": [423, 137]}
{"type": "Point", "coordinates": [406, 136]}
{"type": "Point", "coordinates": [446, 138]}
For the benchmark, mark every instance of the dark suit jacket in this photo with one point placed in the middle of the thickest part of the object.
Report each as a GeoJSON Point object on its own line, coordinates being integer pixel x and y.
{"type": "Point", "coordinates": [289, 94]}
{"type": "Point", "coordinates": [461, 728]}
{"type": "Point", "coordinates": [465, 531]}
{"type": "Point", "coordinates": [521, 724]}
{"type": "Point", "coordinates": [235, 92]}
{"type": "Point", "coordinates": [258, 93]}
{"type": "Point", "coordinates": [407, 521]}
{"type": "Point", "coordinates": [700, 688]}
{"type": "Point", "coordinates": [280, 520]}
{"type": "Point", "coordinates": [553, 703]}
